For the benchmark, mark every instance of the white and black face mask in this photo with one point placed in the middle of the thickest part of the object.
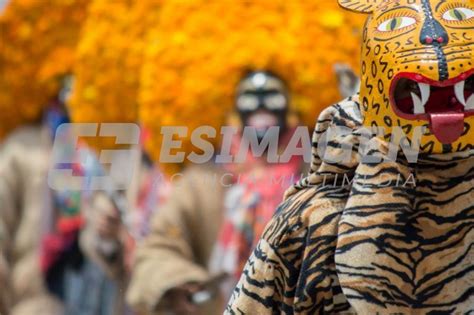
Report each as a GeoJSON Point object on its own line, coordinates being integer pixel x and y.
{"type": "Point", "coordinates": [262, 102]}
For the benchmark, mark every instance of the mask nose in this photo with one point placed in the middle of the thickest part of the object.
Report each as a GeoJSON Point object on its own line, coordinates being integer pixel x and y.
{"type": "Point", "coordinates": [433, 33]}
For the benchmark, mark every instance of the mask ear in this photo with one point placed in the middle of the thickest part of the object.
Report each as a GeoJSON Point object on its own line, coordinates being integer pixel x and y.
{"type": "Point", "coordinates": [362, 6]}
{"type": "Point", "coordinates": [348, 81]}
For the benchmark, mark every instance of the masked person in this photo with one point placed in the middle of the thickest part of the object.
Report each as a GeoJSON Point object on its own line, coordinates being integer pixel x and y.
{"type": "Point", "coordinates": [196, 236]}
{"type": "Point", "coordinates": [262, 103]}
{"type": "Point", "coordinates": [374, 229]}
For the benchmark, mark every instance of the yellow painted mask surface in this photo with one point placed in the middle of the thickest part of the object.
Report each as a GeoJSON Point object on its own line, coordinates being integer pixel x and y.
{"type": "Point", "coordinates": [417, 70]}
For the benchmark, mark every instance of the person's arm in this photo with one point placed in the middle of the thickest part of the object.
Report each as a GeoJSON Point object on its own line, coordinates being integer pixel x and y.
{"type": "Point", "coordinates": [167, 258]}
{"type": "Point", "coordinates": [104, 236]}
{"type": "Point", "coordinates": [101, 237]}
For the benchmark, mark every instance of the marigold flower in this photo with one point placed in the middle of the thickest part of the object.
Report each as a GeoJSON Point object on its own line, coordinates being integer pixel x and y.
{"type": "Point", "coordinates": [37, 45]}
{"type": "Point", "coordinates": [108, 62]}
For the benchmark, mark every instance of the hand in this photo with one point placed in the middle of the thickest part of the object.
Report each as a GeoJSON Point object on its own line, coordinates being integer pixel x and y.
{"type": "Point", "coordinates": [179, 299]}
{"type": "Point", "coordinates": [107, 221]}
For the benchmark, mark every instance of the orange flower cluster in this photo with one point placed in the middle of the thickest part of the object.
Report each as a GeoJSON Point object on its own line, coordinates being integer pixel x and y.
{"type": "Point", "coordinates": [37, 44]}
{"type": "Point", "coordinates": [109, 59]}
{"type": "Point", "coordinates": [200, 49]}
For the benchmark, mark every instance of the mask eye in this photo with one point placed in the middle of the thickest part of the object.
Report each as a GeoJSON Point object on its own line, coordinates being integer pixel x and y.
{"type": "Point", "coordinates": [458, 14]}
{"type": "Point", "coordinates": [396, 23]}
{"type": "Point", "coordinates": [247, 102]}
{"type": "Point", "coordinates": [275, 102]}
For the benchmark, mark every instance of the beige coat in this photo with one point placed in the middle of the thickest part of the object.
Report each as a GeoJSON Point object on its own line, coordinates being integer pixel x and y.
{"type": "Point", "coordinates": [24, 159]}
{"type": "Point", "coordinates": [181, 241]}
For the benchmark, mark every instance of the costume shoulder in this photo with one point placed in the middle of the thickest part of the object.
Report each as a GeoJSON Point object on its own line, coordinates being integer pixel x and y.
{"type": "Point", "coordinates": [282, 275]}
{"type": "Point", "coordinates": [23, 136]}
{"type": "Point", "coordinates": [25, 148]}
{"type": "Point", "coordinates": [291, 269]}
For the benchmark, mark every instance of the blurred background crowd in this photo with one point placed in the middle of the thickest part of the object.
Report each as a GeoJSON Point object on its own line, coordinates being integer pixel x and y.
{"type": "Point", "coordinates": [166, 244]}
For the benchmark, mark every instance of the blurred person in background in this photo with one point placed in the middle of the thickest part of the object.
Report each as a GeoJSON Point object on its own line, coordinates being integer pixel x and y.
{"type": "Point", "coordinates": [116, 222]}
{"type": "Point", "coordinates": [41, 262]}
{"type": "Point", "coordinates": [24, 162]}
{"type": "Point", "coordinates": [262, 103]}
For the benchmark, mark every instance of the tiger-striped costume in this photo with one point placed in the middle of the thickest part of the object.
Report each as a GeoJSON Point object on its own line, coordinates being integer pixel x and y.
{"type": "Point", "coordinates": [368, 242]}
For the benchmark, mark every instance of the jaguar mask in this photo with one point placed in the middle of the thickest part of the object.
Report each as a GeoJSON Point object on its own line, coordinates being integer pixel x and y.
{"type": "Point", "coordinates": [417, 70]}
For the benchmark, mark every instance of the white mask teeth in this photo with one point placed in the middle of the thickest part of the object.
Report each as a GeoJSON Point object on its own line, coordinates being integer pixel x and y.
{"type": "Point", "coordinates": [459, 92]}
{"type": "Point", "coordinates": [419, 104]}
{"type": "Point", "coordinates": [470, 103]}
{"type": "Point", "coordinates": [418, 107]}
{"type": "Point", "coordinates": [425, 93]}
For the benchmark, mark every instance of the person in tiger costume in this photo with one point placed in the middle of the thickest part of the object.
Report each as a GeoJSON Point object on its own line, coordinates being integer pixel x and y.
{"type": "Point", "coordinates": [365, 233]}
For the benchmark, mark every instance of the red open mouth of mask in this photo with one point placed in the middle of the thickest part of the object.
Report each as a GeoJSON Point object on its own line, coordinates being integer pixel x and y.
{"type": "Point", "coordinates": [443, 104]}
